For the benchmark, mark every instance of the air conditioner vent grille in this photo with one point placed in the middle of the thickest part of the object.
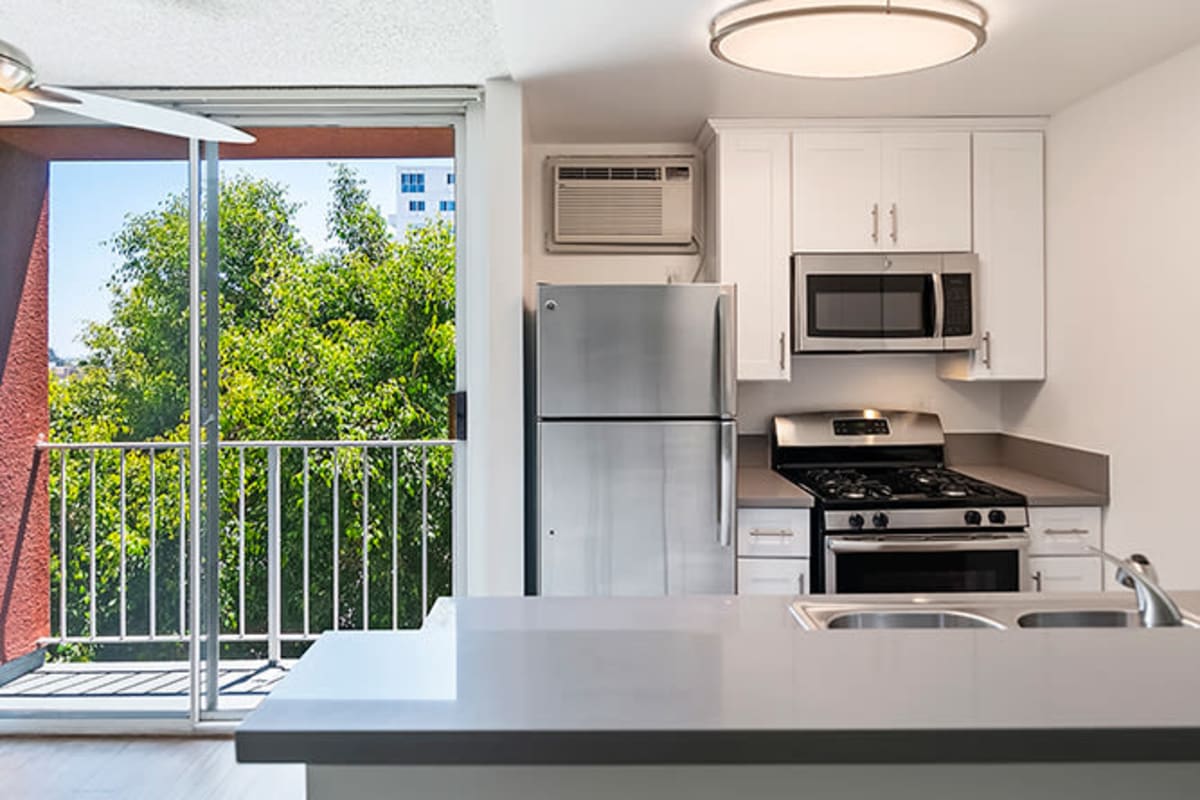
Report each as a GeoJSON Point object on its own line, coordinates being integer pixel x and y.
{"type": "Point", "coordinates": [610, 173]}
{"type": "Point", "coordinates": [630, 212]}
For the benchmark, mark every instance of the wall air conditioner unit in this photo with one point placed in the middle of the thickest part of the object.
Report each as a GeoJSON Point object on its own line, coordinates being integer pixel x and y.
{"type": "Point", "coordinates": [622, 205]}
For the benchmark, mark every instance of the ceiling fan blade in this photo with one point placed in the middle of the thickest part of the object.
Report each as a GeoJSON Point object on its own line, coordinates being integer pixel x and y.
{"type": "Point", "coordinates": [44, 95]}
{"type": "Point", "coordinates": [135, 115]}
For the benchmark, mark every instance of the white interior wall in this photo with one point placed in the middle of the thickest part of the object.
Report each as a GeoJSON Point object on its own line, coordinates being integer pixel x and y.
{"type": "Point", "coordinates": [903, 381]}
{"type": "Point", "coordinates": [495, 533]}
{"type": "Point", "coordinates": [1123, 282]}
{"type": "Point", "coordinates": [818, 382]}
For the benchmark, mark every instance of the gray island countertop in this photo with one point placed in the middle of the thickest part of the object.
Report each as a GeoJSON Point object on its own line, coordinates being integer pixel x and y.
{"type": "Point", "coordinates": [731, 680]}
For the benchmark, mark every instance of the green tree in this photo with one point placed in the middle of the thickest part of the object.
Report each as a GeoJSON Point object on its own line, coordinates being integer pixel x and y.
{"type": "Point", "coordinates": [354, 343]}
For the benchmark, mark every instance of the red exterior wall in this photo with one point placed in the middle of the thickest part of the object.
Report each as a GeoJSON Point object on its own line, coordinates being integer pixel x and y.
{"type": "Point", "coordinates": [24, 414]}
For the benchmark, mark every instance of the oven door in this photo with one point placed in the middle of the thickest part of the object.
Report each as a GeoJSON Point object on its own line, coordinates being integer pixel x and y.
{"type": "Point", "coordinates": [921, 564]}
{"type": "Point", "coordinates": [868, 303]}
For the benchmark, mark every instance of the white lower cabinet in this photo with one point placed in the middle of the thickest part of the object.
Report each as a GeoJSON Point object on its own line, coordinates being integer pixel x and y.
{"type": "Point", "coordinates": [788, 576]}
{"type": "Point", "coordinates": [1066, 573]}
{"type": "Point", "coordinates": [1067, 531]}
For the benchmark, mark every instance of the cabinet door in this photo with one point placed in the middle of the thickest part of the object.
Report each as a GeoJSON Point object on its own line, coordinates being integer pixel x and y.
{"type": "Point", "coordinates": [773, 532]}
{"type": "Point", "coordinates": [753, 220]}
{"type": "Point", "coordinates": [837, 192]}
{"type": "Point", "coordinates": [1009, 237]}
{"type": "Point", "coordinates": [1063, 531]}
{"type": "Point", "coordinates": [926, 194]}
{"type": "Point", "coordinates": [787, 576]}
{"type": "Point", "coordinates": [1066, 573]}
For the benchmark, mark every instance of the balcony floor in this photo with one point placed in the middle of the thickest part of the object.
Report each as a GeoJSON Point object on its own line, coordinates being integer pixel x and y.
{"type": "Point", "coordinates": [131, 687]}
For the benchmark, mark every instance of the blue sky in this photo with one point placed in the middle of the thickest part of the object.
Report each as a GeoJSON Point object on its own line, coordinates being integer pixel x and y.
{"type": "Point", "coordinates": [89, 202]}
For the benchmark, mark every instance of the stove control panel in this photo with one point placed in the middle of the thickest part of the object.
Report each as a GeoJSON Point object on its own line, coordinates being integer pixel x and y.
{"type": "Point", "coordinates": [861, 426]}
{"type": "Point", "coordinates": [901, 520]}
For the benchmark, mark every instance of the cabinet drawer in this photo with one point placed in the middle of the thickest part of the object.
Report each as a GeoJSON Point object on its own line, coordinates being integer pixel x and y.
{"type": "Point", "coordinates": [786, 576]}
{"type": "Point", "coordinates": [1063, 531]}
{"type": "Point", "coordinates": [773, 532]}
{"type": "Point", "coordinates": [1052, 574]}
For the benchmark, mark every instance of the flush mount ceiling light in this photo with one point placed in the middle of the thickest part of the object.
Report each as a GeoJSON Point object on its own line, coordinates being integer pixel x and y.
{"type": "Point", "coordinates": [847, 38]}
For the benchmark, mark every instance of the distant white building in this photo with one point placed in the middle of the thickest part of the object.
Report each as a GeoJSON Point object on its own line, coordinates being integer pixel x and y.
{"type": "Point", "coordinates": [424, 189]}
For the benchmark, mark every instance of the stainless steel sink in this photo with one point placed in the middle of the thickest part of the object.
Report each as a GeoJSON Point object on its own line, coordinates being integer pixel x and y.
{"type": "Point", "coordinates": [1009, 611]}
{"type": "Point", "coordinates": [909, 619]}
{"type": "Point", "coordinates": [1079, 619]}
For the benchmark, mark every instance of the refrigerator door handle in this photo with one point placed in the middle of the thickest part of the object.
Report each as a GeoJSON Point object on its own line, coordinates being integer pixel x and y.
{"type": "Point", "coordinates": [727, 499]}
{"type": "Point", "coordinates": [727, 351]}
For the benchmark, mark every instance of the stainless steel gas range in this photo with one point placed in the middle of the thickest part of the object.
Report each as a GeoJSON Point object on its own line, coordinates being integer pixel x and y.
{"type": "Point", "coordinates": [890, 516]}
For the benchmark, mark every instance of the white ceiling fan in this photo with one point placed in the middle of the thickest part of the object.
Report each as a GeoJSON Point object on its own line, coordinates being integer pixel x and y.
{"type": "Point", "coordinates": [20, 92]}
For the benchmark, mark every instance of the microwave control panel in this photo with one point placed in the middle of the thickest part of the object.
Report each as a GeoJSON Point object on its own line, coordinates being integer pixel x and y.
{"type": "Point", "coordinates": [957, 290]}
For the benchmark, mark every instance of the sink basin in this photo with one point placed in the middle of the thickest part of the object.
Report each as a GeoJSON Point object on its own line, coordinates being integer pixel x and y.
{"type": "Point", "coordinates": [909, 619]}
{"type": "Point", "coordinates": [1079, 619]}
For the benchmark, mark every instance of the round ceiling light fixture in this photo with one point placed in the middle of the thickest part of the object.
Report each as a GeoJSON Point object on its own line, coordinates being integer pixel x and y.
{"type": "Point", "coordinates": [847, 38]}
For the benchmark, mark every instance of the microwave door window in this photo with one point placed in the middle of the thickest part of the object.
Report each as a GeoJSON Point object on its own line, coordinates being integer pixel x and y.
{"type": "Point", "coordinates": [845, 306]}
{"type": "Point", "coordinates": [908, 306]}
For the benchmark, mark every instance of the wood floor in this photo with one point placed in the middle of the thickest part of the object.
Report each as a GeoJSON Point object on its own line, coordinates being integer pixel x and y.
{"type": "Point", "coordinates": [139, 769]}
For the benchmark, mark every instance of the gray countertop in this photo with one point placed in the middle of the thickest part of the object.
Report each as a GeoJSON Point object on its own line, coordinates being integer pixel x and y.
{"type": "Point", "coordinates": [760, 487]}
{"type": "Point", "coordinates": [1038, 491]}
{"type": "Point", "coordinates": [724, 680]}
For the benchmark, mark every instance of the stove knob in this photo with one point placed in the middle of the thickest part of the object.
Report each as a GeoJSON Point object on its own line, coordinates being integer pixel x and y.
{"type": "Point", "coordinates": [856, 521]}
{"type": "Point", "coordinates": [973, 518]}
{"type": "Point", "coordinates": [880, 520]}
{"type": "Point", "coordinates": [997, 517]}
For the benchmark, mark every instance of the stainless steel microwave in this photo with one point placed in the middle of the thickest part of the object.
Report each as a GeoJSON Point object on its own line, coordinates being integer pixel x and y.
{"type": "Point", "coordinates": [874, 302]}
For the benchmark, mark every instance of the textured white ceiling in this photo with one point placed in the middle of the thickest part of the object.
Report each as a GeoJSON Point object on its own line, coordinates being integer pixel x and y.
{"type": "Point", "coordinates": [179, 43]}
{"type": "Point", "coordinates": [594, 70]}
{"type": "Point", "coordinates": [640, 70]}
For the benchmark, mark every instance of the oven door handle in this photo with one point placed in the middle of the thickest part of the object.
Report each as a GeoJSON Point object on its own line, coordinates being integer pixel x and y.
{"type": "Point", "coordinates": [851, 544]}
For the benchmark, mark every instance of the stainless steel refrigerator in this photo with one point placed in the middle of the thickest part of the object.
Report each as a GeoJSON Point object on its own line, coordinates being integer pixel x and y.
{"type": "Point", "coordinates": [635, 390]}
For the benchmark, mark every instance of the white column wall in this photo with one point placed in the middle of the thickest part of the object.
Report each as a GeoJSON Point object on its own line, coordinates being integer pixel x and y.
{"type": "Point", "coordinates": [492, 342]}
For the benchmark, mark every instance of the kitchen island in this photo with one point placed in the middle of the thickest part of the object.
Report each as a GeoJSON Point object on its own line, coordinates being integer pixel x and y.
{"type": "Point", "coordinates": [711, 696]}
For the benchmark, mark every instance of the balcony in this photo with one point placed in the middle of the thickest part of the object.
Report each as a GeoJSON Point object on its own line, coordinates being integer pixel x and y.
{"type": "Point", "coordinates": [312, 536]}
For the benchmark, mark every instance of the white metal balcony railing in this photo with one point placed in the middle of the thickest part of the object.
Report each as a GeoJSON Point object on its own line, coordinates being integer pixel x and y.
{"type": "Point", "coordinates": [378, 522]}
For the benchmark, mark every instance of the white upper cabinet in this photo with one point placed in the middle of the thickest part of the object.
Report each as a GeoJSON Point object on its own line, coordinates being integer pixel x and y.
{"type": "Point", "coordinates": [749, 244]}
{"type": "Point", "coordinates": [927, 191]}
{"type": "Point", "coordinates": [838, 192]}
{"type": "Point", "coordinates": [881, 191]}
{"type": "Point", "coordinates": [1009, 238]}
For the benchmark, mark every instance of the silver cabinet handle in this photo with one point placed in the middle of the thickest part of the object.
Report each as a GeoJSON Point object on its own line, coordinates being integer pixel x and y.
{"type": "Point", "coordinates": [782, 350]}
{"type": "Point", "coordinates": [895, 224]}
{"type": "Point", "coordinates": [987, 349]}
{"type": "Point", "coordinates": [875, 222]}
{"type": "Point", "coordinates": [1037, 581]}
{"type": "Point", "coordinates": [768, 532]}
{"type": "Point", "coordinates": [1066, 531]}
{"type": "Point", "coordinates": [800, 582]}
{"type": "Point", "coordinates": [727, 502]}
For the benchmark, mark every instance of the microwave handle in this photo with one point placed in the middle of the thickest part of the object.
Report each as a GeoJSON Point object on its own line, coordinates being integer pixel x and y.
{"type": "Point", "coordinates": [939, 305]}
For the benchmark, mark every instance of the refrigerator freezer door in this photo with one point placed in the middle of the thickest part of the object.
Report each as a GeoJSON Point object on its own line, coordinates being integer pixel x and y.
{"type": "Point", "coordinates": [636, 351]}
{"type": "Point", "coordinates": [635, 508]}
